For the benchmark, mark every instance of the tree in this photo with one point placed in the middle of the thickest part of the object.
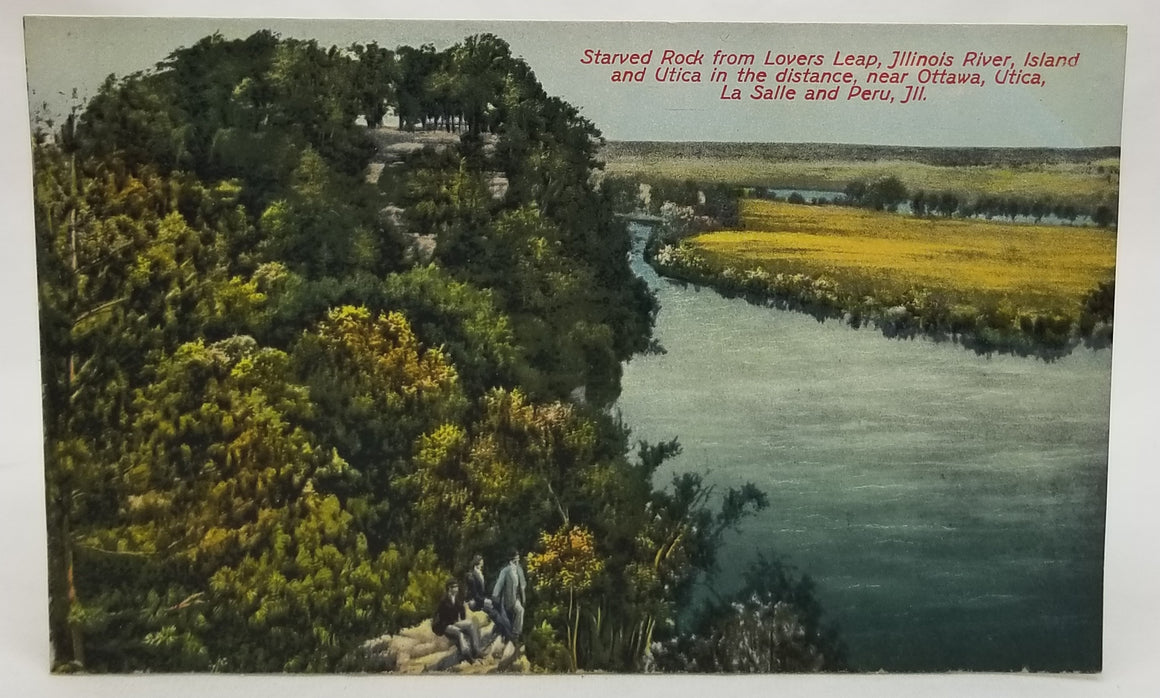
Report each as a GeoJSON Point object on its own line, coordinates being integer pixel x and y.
{"type": "Point", "coordinates": [567, 567]}
{"type": "Point", "coordinates": [1104, 216]}
{"type": "Point", "coordinates": [376, 76]}
{"type": "Point", "coordinates": [1095, 321]}
{"type": "Point", "coordinates": [885, 193]}
{"type": "Point", "coordinates": [377, 391]}
{"type": "Point", "coordinates": [773, 624]}
{"type": "Point", "coordinates": [918, 203]}
{"type": "Point", "coordinates": [514, 472]}
{"type": "Point", "coordinates": [125, 276]}
{"type": "Point", "coordinates": [224, 502]}
{"type": "Point", "coordinates": [316, 238]}
{"type": "Point", "coordinates": [415, 67]}
{"type": "Point", "coordinates": [947, 203]}
{"type": "Point", "coordinates": [233, 109]}
{"type": "Point", "coordinates": [464, 321]}
{"type": "Point", "coordinates": [482, 60]}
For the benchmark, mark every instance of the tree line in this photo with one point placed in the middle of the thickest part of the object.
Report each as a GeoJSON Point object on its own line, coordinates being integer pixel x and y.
{"type": "Point", "coordinates": [889, 193]}
{"type": "Point", "coordinates": [715, 204]}
{"type": "Point", "coordinates": [272, 433]}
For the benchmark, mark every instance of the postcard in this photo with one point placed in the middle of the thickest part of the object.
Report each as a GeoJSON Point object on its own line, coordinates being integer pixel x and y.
{"type": "Point", "coordinates": [481, 347]}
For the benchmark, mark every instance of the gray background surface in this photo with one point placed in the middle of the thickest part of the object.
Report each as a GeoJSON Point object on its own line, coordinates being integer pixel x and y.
{"type": "Point", "coordinates": [1132, 608]}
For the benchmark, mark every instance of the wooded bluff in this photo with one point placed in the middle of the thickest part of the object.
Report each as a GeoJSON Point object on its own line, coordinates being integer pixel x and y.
{"type": "Point", "coordinates": [278, 416]}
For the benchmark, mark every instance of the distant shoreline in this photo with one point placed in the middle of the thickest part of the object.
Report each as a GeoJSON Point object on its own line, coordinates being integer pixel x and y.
{"type": "Point", "coordinates": [932, 155]}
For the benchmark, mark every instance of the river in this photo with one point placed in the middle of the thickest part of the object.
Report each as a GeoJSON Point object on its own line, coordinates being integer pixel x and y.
{"type": "Point", "coordinates": [949, 507]}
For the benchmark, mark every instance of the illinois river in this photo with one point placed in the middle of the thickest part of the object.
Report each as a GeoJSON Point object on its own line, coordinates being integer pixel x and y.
{"type": "Point", "coordinates": [949, 507]}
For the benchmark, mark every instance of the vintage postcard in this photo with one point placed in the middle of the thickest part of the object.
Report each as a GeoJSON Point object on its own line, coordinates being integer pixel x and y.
{"type": "Point", "coordinates": [429, 347]}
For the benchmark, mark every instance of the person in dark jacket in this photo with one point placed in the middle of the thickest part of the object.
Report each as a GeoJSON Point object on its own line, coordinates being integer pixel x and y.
{"type": "Point", "coordinates": [452, 622]}
{"type": "Point", "coordinates": [477, 596]}
{"type": "Point", "coordinates": [478, 600]}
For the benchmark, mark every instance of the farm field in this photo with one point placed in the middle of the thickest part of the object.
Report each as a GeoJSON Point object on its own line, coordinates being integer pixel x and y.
{"type": "Point", "coordinates": [1083, 181]}
{"type": "Point", "coordinates": [867, 253]}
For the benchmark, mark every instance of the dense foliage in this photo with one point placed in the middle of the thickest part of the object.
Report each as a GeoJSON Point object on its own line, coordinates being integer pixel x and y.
{"type": "Point", "coordinates": [274, 426]}
{"type": "Point", "coordinates": [772, 624]}
{"type": "Point", "coordinates": [888, 193]}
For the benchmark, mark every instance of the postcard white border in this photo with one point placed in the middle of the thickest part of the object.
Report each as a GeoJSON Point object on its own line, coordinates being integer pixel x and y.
{"type": "Point", "coordinates": [1132, 608]}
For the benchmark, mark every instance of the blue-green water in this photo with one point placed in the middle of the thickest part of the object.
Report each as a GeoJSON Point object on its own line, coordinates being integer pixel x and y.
{"type": "Point", "coordinates": [950, 507]}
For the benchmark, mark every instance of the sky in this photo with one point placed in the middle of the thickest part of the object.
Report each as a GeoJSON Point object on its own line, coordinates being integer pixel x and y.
{"type": "Point", "coordinates": [1079, 106]}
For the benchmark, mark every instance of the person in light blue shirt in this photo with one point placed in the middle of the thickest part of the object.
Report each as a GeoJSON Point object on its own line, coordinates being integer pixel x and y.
{"type": "Point", "coordinates": [510, 593]}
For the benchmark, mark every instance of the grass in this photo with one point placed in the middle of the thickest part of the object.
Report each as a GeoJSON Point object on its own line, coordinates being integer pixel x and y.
{"type": "Point", "coordinates": [1032, 290]}
{"type": "Point", "coordinates": [1038, 268]}
{"type": "Point", "coordinates": [1090, 182]}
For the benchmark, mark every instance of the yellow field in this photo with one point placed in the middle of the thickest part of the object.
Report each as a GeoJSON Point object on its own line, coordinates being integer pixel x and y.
{"type": "Point", "coordinates": [869, 253]}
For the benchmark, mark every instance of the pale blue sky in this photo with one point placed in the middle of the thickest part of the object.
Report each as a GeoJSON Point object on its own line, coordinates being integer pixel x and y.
{"type": "Point", "coordinates": [1080, 106]}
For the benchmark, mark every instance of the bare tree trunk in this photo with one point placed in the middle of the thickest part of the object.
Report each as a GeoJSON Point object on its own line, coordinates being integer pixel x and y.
{"type": "Point", "coordinates": [75, 633]}
{"type": "Point", "coordinates": [76, 636]}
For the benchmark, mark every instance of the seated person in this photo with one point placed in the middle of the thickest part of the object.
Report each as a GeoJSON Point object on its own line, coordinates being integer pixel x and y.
{"type": "Point", "coordinates": [478, 600]}
{"type": "Point", "coordinates": [452, 622]}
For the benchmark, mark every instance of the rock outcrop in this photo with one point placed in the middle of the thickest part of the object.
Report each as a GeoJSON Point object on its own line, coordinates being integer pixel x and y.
{"type": "Point", "coordinates": [417, 650]}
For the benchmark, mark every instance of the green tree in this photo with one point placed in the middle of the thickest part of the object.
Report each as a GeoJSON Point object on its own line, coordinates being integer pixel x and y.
{"type": "Point", "coordinates": [377, 391]}
{"type": "Point", "coordinates": [130, 266]}
{"type": "Point", "coordinates": [1104, 216]}
{"type": "Point", "coordinates": [919, 203]}
{"type": "Point", "coordinates": [415, 68]}
{"type": "Point", "coordinates": [885, 194]}
{"type": "Point", "coordinates": [316, 238]}
{"type": "Point", "coordinates": [464, 321]}
{"type": "Point", "coordinates": [567, 566]}
{"type": "Point", "coordinates": [233, 108]}
{"type": "Point", "coordinates": [375, 79]}
{"type": "Point", "coordinates": [773, 624]}
{"type": "Point", "coordinates": [482, 61]}
{"type": "Point", "coordinates": [513, 473]}
{"type": "Point", "coordinates": [223, 497]}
